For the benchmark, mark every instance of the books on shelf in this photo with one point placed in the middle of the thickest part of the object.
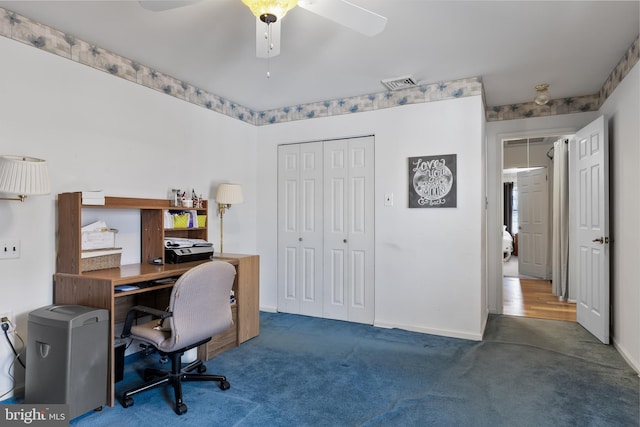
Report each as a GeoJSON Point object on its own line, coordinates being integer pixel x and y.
{"type": "Point", "coordinates": [125, 288]}
{"type": "Point", "coordinates": [93, 202]}
{"type": "Point", "coordinates": [184, 219]}
{"type": "Point", "coordinates": [95, 197]}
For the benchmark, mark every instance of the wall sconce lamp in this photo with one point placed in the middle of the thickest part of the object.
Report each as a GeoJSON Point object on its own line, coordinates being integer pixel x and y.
{"type": "Point", "coordinates": [23, 176]}
{"type": "Point", "coordinates": [542, 94]}
{"type": "Point", "coordinates": [227, 195]}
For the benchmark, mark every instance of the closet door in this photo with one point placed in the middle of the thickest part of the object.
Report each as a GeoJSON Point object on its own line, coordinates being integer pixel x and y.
{"type": "Point", "coordinates": [349, 230]}
{"type": "Point", "coordinates": [300, 229]}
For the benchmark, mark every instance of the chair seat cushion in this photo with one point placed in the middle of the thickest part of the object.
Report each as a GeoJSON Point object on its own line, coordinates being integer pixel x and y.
{"type": "Point", "coordinates": [150, 333]}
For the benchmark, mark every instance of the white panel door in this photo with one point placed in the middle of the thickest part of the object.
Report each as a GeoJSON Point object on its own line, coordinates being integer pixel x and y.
{"type": "Point", "coordinates": [589, 213]}
{"type": "Point", "coordinates": [533, 203]}
{"type": "Point", "coordinates": [300, 229]}
{"type": "Point", "coordinates": [349, 230]}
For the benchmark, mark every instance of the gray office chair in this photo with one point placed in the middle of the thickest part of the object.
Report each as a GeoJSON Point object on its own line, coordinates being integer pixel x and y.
{"type": "Point", "coordinates": [199, 308]}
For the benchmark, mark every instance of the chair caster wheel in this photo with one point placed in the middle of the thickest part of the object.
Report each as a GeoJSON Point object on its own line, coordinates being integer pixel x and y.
{"type": "Point", "coordinates": [181, 409]}
{"type": "Point", "coordinates": [224, 385]}
{"type": "Point", "coordinates": [126, 402]}
{"type": "Point", "coordinates": [202, 369]}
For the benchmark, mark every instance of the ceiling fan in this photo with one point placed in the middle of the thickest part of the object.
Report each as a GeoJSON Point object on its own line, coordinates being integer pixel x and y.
{"type": "Point", "coordinates": [269, 14]}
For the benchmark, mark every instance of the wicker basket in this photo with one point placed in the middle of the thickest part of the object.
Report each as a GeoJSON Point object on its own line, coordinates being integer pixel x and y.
{"type": "Point", "coordinates": [100, 259]}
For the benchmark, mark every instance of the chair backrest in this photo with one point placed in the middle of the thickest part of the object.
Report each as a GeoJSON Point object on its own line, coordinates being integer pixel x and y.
{"type": "Point", "coordinates": [200, 304]}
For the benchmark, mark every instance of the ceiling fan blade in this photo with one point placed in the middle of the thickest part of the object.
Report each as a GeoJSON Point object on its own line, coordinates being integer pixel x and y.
{"type": "Point", "coordinates": [344, 13]}
{"type": "Point", "coordinates": [159, 6]}
{"type": "Point", "coordinates": [267, 39]}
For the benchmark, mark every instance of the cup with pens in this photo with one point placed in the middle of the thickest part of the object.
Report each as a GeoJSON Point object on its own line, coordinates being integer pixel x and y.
{"type": "Point", "coordinates": [179, 199]}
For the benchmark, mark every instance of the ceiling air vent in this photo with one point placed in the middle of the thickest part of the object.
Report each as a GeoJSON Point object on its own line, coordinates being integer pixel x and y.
{"type": "Point", "coordinates": [399, 83]}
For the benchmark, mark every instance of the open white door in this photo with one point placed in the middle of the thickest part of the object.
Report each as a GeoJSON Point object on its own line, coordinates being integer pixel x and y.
{"type": "Point", "coordinates": [533, 229]}
{"type": "Point", "coordinates": [589, 228]}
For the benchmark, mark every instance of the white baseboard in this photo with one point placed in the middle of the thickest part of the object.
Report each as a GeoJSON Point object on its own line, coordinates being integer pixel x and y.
{"type": "Point", "coordinates": [625, 355]}
{"type": "Point", "coordinates": [484, 325]}
{"type": "Point", "coordinates": [269, 309]}
{"type": "Point", "coordinates": [431, 331]}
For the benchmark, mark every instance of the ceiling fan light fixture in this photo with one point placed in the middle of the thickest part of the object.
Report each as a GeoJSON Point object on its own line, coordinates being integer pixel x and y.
{"type": "Point", "coordinates": [542, 94]}
{"type": "Point", "coordinates": [269, 11]}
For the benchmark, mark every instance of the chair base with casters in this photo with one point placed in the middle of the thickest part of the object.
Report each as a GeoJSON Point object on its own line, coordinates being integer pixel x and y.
{"type": "Point", "coordinates": [156, 377]}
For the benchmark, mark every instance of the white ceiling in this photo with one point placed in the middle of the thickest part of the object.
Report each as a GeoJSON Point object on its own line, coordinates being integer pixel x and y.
{"type": "Point", "coordinates": [511, 45]}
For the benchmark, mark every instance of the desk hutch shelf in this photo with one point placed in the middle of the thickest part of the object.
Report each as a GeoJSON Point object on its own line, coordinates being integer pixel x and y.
{"type": "Point", "coordinates": [97, 288]}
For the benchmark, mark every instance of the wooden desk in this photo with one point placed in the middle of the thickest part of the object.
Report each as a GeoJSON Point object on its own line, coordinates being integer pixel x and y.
{"type": "Point", "coordinates": [97, 289]}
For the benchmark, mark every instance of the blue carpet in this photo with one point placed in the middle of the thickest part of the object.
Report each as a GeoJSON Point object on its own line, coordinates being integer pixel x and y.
{"type": "Point", "coordinates": [303, 371]}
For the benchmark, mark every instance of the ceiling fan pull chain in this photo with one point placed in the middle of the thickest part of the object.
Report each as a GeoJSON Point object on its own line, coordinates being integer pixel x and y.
{"type": "Point", "coordinates": [269, 48]}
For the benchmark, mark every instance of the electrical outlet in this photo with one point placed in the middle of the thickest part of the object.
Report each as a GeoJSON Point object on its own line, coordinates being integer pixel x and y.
{"type": "Point", "coordinates": [9, 316]}
{"type": "Point", "coordinates": [9, 249]}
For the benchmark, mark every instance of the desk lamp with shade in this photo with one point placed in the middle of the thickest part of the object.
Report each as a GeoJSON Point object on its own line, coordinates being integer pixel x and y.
{"type": "Point", "coordinates": [227, 195]}
{"type": "Point", "coordinates": [23, 176]}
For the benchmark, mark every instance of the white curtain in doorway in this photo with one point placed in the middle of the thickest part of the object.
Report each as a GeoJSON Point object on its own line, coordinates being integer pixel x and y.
{"type": "Point", "coordinates": [560, 223]}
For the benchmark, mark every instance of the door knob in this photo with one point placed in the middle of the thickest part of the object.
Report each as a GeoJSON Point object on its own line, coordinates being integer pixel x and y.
{"type": "Point", "coordinates": [299, 239]}
{"type": "Point", "coordinates": [344, 241]}
{"type": "Point", "coordinates": [601, 240]}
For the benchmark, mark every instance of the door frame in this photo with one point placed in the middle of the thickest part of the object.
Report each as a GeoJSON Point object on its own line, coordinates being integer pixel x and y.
{"type": "Point", "coordinates": [494, 217]}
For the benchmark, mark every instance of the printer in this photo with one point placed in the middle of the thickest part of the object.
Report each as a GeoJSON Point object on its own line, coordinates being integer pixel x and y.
{"type": "Point", "coordinates": [194, 253]}
{"type": "Point", "coordinates": [177, 250]}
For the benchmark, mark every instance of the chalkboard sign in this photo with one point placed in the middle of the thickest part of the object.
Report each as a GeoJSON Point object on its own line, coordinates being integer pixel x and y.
{"type": "Point", "coordinates": [433, 181]}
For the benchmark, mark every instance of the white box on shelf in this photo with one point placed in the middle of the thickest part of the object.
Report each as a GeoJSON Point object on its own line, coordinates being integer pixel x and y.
{"type": "Point", "coordinates": [98, 236]}
{"type": "Point", "coordinates": [99, 239]}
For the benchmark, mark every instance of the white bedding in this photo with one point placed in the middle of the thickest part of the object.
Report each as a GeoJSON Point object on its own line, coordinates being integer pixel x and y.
{"type": "Point", "coordinates": [507, 243]}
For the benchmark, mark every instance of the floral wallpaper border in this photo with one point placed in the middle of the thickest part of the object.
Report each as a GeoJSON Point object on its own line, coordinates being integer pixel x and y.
{"type": "Point", "coordinates": [574, 104]}
{"type": "Point", "coordinates": [30, 32]}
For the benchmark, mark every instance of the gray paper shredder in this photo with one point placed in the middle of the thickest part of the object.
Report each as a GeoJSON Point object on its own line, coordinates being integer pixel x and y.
{"type": "Point", "coordinates": [67, 357]}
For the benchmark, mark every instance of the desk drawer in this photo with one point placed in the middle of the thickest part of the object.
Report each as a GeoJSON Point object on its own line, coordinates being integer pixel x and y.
{"type": "Point", "coordinates": [223, 341]}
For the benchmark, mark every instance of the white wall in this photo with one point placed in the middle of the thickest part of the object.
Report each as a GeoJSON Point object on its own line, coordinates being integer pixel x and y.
{"type": "Point", "coordinates": [418, 252]}
{"type": "Point", "coordinates": [101, 132]}
{"type": "Point", "coordinates": [622, 109]}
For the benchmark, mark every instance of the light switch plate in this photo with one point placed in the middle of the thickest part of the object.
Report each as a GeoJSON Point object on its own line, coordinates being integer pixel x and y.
{"type": "Point", "coordinates": [388, 199]}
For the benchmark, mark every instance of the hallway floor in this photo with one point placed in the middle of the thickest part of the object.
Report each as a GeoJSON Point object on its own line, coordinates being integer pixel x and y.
{"type": "Point", "coordinates": [533, 298]}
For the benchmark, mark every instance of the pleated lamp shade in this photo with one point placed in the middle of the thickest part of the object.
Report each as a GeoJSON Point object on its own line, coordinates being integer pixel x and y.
{"type": "Point", "coordinates": [24, 176]}
{"type": "Point", "coordinates": [229, 194]}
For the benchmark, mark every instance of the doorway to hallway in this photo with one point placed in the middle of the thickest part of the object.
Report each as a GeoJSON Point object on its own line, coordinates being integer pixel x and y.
{"type": "Point", "coordinates": [527, 216]}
